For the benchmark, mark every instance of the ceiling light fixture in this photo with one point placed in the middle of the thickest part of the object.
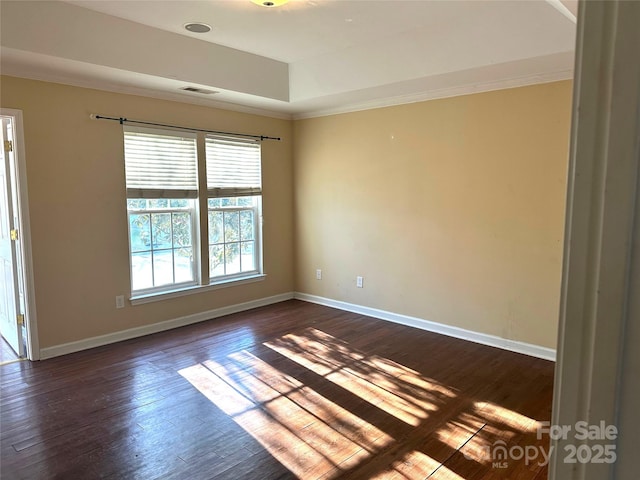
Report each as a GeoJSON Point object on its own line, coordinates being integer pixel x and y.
{"type": "Point", "coordinates": [270, 3]}
{"type": "Point", "coordinates": [197, 27]}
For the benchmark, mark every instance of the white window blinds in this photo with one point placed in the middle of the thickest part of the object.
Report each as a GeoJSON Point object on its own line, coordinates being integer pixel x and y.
{"type": "Point", "coordinates": [233, 167]}
{"type": "Point", "coordinates": [160, 164]}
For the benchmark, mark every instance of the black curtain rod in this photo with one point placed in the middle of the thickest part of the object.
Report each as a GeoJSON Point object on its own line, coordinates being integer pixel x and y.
{"type": "Point", "coordinates": [139, 122]}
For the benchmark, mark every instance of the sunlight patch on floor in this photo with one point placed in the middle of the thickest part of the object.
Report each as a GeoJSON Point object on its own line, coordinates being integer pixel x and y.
{"type": "Point", "coordinates": [443, 473]}
{"type": "Point", "coordinates": [303, 430]}
{"type": "Point", "coordinates": [494, 424]}
{"type": "Point", "coordinates": [396, 389]}
{"type": "Point", "coordinates": [498, 415]}
{"type": "Point", "coordinates": [417, 465]}
{"type": "Point", "coordinates": [313, 436]}
{"type": "Point", "coordinates": [458, 432]}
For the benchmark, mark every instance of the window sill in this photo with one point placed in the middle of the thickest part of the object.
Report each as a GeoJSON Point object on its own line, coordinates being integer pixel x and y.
{"type": "Point", "coordinates": [155, 297]}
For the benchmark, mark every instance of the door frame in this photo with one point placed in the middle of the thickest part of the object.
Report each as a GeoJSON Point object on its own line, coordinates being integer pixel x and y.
{"type": "Point", "coordinates": [24, 228]}
{"type": "Point", "coordinates": [595, 371]}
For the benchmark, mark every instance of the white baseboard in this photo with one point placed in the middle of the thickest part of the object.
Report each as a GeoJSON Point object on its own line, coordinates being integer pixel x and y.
{"type": "Point", "coordinates": [128, 334]}
{"type": "Point", "coordinates": [483, 338]}
{"type": "Point", "coordinates": [491, 340]}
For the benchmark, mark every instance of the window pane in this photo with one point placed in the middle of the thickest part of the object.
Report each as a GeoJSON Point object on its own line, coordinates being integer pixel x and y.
{"type": "Point", "coordinates": [139, 232]}
{"type": "Point", "coordinates": [158, 203]}
{"type": "Point", "coordinates": [179, 203]}
{"type": "Point", "coordinates": [232, 258]}
{"type": "Point", "coordinates": [161, 230]}
{"type": "Point", "coordinates": [181, 229]}
{"type": "Point", "coordinates": [248, 259]}
{"type": "Point", "coordinates": [215, 227]}
{"type": "Point", "coordinates": [141, 272]}
{"type": "Point", "coordinates": [161, 244]}
{"type": "Point", "coordinates": [216, 260]}
{"type": "Point", "coordinates": [246, 225]}
{"type": "Point", "coordinates": [136, 203]}
{"type": "Point", "coordinates": [162, 267]}
{"type": "Point", "coordinates": [231, 227]}
{"type": "Point", "coordinates": [182, 261]}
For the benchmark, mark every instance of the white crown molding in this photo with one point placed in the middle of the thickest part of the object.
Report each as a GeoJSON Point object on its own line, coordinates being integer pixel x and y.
{"type": "Point", "coordinates": [563, 9]}
{"type": "Point", "coordinates": [439, 93]}
{"type": "Point", "coordinates": [71, 347]}
{"type": "Point", "coordinates": [311, 113]}
{"type": "Point", "coordinates": [456, 332]}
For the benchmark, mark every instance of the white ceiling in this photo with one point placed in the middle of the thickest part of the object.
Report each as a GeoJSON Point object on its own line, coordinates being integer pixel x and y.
{"type": "Point", "coordinates": [306, 58]}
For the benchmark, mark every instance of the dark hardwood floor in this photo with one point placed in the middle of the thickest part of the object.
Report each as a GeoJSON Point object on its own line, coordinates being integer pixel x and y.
{"type": "Point", "coordinates": [293, 390]}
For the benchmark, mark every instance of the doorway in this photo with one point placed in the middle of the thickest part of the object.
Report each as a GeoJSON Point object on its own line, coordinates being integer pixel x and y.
{"type": "Point", "coordinates": [17, 313]}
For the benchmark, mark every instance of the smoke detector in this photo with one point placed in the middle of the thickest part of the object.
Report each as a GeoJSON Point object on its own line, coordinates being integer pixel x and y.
{"type": "Point", "coordinates": [197, 27]}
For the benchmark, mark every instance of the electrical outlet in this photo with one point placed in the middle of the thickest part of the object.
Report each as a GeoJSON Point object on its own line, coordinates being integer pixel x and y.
{"type": "Point", "coordinates": [119, 301]}
{"type": "Point", "coordinates": [359, 281]}
{"type": "Point", "coordinates": [318, 274]}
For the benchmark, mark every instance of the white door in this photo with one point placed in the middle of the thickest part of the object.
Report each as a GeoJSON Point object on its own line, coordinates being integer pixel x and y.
{"type": "Point", "coordinates": [10, 328]}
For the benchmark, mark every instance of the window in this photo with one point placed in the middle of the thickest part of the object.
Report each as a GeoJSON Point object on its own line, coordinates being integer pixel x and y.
{"type": "Point", "coordinates": [233, 189]}
{"type": "Point", "coordinates": [161, 242]}
{"type": "Point", "coordinates": [165, 229]}
{"type": "Point", "coordinates": [232, 235]}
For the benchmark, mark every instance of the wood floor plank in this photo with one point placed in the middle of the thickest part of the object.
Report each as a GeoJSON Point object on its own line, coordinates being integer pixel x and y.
{"type": "Point", "coordinates": [292, 390]}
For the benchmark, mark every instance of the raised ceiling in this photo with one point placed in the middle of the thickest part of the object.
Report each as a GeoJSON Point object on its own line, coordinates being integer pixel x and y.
{"type": "Point", "coordinates": [306, 58]}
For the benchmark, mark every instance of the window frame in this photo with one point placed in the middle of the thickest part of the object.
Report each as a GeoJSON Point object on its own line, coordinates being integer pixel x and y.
{"type": "Point", "coordinates": [195, 247]}
{"type": "Point", "coordinates": [199, 212]}
{"type": "Point", "coordinates": [256, 208]}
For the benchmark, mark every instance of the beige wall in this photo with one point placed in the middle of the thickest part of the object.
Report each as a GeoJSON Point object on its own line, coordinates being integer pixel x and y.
{"type": "Point", "coordinates": [452, 209]}
{"type": "Point", "coordinates": [75, 176]}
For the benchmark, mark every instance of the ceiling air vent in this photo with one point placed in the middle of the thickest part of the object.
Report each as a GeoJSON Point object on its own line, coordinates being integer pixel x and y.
{"type": "Point", "coordinates": [204, 91]}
